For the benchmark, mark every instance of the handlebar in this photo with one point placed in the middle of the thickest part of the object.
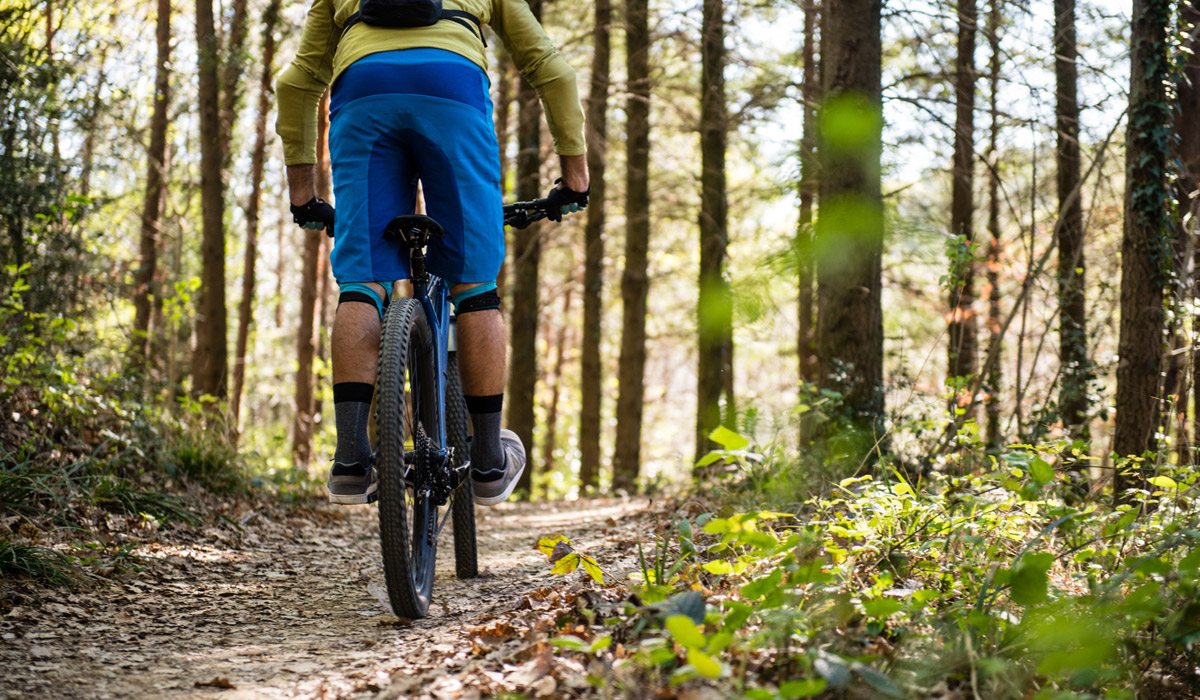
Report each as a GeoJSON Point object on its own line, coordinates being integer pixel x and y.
{"type": "Point", "coordinates": [521, 214]}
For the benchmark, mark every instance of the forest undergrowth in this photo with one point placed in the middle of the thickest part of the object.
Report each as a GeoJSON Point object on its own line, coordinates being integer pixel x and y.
{"type": "Point", "coordinates": [1003, 580]}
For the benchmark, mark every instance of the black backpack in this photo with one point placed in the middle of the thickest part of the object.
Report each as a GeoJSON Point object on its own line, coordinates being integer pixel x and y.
{"type": "Point", "coordinates": [410, 13]}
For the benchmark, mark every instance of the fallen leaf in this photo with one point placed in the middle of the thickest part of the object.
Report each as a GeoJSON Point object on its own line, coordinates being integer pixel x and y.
{"type": "Point", "coordinates": [217, 682]}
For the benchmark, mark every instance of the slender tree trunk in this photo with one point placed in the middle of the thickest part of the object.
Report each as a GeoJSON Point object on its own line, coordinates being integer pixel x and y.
{"type": "Point", "coordinates": [209, 358]}
{"type": "Point", "coordinates": [962, 331]}
{"type": "Point", "coordinates": [550, 444]}
{"type": "Point", "coordinates": [281, 226]}
{"type": "Point", "coordinates": [635, 283]}
{"type": "Point", "coordinates": [306, 341]}
{"type": "Point", "coordinates": [92, 123]}
{"type": "Point", "coordinates": [591, 386]}
{"type": "Point", "coordinates": [503, 116]}
{"type": "Point", "coordinates": [714, 321]}
{"type": "Point", "coordinates": [156, 190]}
{"type": "Point", "coordinates": [258, 158]}
{"type": "Point", "coordinates": [1145, 249]}
{"type": "Point", "coordinates": [1073, 401]}
{"type": "Point", "coordinates": [527, 253]}
{"type": "Point", "coordinates": [850, 230]}
{"type": "Point", "coordinates": [231, 78]}
{"type": "Point", "coordinates": [806, 346]}
{"type": "Point", "coordinates": [1189, 178]}
{"type": "Point", "coordinates": [995, 251]}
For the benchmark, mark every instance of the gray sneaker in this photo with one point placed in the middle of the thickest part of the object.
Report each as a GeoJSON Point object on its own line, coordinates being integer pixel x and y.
{"type": "Point", "coordinates": [351, 484]}
{"type": "Point", "coordinates": [489, 493]}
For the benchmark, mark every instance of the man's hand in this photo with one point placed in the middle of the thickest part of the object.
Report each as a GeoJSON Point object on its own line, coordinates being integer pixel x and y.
{"type": "Point", "coordinates": [564, 200]}
{"type": "Point", "coordinates": [314, 215]}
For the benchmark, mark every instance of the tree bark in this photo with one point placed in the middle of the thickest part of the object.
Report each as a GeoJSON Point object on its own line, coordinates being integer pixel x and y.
{"type": "Point", "coordinates": [1073, 401]}
{"type": "Point", "coordinates": [806, 340]}
{"type": "Point", "coordinates": [1145, 248]}
{"type": "Point", "coordinates": [714, 321]}
{"type": "Point", "coordinates": [209, 358]}
{"type": "Point", "coordinates": [550, 444]}
{"type": "Point", "coordinates": [962, 332]}
{"type": "Point", "coordinates": [635, 283]}
{"type": "Point", "coordinates": [231, 78]}
{"type": "Point", "coordinates": [156, 192]}
{"type": "Point", "coordinates": [849, 237]}
{"type": "Point", "coordinates": [527, 253]}
{"type": "Point", "coordinates": [258, 158]}
{"type": "Point", "coordinates": [1189, 177]}
{"type": "Point", "coordinates": [591, 385]}
{"type": "Point", "coordinates": [306, 340]}
{"type": "Point", "coordinates": [995, 251]}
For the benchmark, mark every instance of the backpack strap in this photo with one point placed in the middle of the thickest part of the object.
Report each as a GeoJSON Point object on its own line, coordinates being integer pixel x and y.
{"type": "Point", "coordinates": [462, 17]}
{"type": "Point", "coordinates": [352, 20]}
{"type": "Point", "coordinates": [466, 19]}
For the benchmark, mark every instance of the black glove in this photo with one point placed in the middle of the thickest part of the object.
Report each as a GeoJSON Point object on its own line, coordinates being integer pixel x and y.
{"type": "Point", "coordinates": [564, 200]}
{"type": "Point", "coordinates": [314, 216]}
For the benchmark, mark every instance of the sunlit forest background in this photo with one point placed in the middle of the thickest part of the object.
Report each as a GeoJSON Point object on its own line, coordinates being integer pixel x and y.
{"type": "Point", "coordinates": [889, 309]}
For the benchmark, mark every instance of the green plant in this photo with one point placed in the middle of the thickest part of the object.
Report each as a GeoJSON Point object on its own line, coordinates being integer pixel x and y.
{"type": "Point", "coordinates": [36, 562]}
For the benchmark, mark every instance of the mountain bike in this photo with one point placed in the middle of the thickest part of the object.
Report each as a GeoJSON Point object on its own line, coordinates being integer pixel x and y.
{"type": "Point", "coordinates": [422, 427]}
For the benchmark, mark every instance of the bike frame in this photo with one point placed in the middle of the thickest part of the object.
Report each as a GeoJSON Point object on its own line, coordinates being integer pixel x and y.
{"type": "Point", "coordinates": [434, 297]}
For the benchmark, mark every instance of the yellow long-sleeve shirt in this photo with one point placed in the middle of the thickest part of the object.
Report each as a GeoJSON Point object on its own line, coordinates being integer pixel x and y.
{"type": "Point", "coordinates": [325, 51]}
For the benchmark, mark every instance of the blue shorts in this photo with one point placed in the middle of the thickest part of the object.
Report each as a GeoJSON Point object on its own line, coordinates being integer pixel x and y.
{"type": "Point", "coordinates": [399, 117]}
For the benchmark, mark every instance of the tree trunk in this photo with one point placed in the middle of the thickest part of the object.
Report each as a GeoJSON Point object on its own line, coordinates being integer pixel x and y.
{"type": "Point", "coordinates": [849, 237]}
{"type": "Point", "coordinates": [591, 385]}
{"type": "Point", "coordinates": [1189, 178]}
{"type": "Point", "coordinates": [258, 158]}
{"type": "Point", "coordinates": [527, 253]}
{"type": "Point", "coordinates": [806, 340]}
{"type": "Point", "coordinates": [1145, 248]}
{"type": "Point", "coordinates": [281, 226]}
{"type": "Point", "coordinates": [306, 341]}
{"type": "Point", "coordinates": [231, 78]}
{"type": "Point", "coordinates": [91, 124]}
{"type": "Point", "coordinates": [714, 321]}
{"type": "Point", "coordinates": [156, 191]}
{"type": "Point", "coordinates": [550, 444]}
{"type": "Point", "coordinates": [995, 251]}
{"type": "Point", "coordinates": [635, 284]}
{"type": "Point", "coordinates": [209, 358]}
{"type": "Point", "coordinates": [962, 332]}
{"type": "Point", "coordinates": [1073, 401]}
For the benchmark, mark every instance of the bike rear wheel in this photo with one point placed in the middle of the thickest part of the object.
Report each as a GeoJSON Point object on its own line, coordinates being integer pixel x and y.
{"type": "Point", "coordinates": [407, 405]}
{"type": "Point", "coordinates": [462, 501]}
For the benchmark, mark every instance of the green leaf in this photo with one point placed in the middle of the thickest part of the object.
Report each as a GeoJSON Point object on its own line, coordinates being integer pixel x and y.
{"type": "Point", "coordinates": [569, 642]}
{"type": "Point", "coordinates": [879, 682]}
{"type": "Point", "coordinates": [592, 568]}
{"type": "Point", "coordinates": [759, 694]}
{"type": "Point", "coordinates": [685, 632]}
{"type": "Point", "coordinates": [546, 544]}
{"type": "Point", "coordinates": [882, 607]}
{"type": "Point", "coordinates": [709, 459]}
{"type": "Point", "coordinates": [1165, 483]}
{"type": "Point", "coordinates": [719, 566]}
{"type": "Point", "coordinates": [567, 564]}
{"type": "Point", "coordinates": [705, 664]}
{"type": "Point", "coordinates": [763, 585]}
{"type": "Point", "coordinates": [719, 642]}
{"type": "Point", "coordinates": [805, 688]}
{"type": "Point", "coordinates": [1029, 584]}
{"type": "Point", "coordinates": [1041, 471]}
{"type": "Point", "coordinates": [737, 616]}
{"type": "Point", "coordinates": [728, 439]}
{"type": "Point", "coordinates": [1191, 562]}
{"type": "Point", "coordinates": [599, 644]}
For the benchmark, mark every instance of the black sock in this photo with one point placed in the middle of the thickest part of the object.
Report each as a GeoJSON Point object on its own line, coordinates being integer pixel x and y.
{"type": "Point", "coordinates": [352, 411]}
{"type": "Point", "coordinates": [487, 455]}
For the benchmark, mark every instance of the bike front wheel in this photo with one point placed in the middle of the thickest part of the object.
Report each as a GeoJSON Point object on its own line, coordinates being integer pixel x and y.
{"type": "Point", "coordinates": [406, 404]}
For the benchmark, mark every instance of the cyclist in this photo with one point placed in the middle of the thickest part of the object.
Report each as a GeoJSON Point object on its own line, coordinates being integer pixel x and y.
{"type": "Point", "coordinates": [408, 104]}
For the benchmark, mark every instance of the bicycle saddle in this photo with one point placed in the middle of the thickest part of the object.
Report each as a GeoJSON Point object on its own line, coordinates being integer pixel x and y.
{"type": "Point", "coordinates": [414, 229]}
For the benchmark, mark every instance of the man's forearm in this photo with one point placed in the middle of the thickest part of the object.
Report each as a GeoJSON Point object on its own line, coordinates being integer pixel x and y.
{"type": "Point", "coordinates": [575, 172]}
{"type": "Point", "coordinates": [302, 183]}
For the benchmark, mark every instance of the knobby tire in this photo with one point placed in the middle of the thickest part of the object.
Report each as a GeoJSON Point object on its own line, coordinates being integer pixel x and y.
{"type": "Point", "coordinates": [462, 501]}
{"type": "Point", "coordinates": [406, 402]}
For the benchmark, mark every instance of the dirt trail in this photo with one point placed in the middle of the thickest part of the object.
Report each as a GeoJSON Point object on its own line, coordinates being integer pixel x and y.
{"type": "Point", "coordinates": [287, 610]}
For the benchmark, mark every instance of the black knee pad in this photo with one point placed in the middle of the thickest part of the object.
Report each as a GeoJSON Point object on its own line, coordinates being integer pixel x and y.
{"type": "Point", "coordinates": [480, 302]}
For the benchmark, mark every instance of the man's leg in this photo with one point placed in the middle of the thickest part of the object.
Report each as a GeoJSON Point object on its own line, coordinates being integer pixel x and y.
{"type": "Point", "coordinates": [481, 362]}
{"type": "Point", "coordinates": [355, 357]}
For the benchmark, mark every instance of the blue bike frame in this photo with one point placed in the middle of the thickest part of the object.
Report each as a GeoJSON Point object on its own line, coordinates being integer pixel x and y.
{"type": "Point", "coordinates": [435, 301]}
